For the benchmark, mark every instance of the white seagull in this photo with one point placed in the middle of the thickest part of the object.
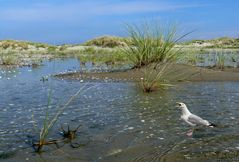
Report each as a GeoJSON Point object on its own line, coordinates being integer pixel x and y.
{"type": "Point", "coordinates": [192, 119]}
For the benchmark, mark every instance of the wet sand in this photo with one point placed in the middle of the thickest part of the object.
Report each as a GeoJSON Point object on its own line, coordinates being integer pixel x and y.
{"type": "Point", "coordinates": [176, 73]}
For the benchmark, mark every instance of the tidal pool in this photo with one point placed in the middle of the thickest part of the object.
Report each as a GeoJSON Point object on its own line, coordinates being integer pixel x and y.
{"type": "Point", "coordinates": [118, 121]}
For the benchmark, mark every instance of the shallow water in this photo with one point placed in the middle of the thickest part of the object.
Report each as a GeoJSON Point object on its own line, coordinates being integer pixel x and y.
{"type": "Point", "coordinates": [119, 122]}
{"type": "Point", "coordinates": [215, 59]}
{"type": "Point", "coordinates": [212, 58]}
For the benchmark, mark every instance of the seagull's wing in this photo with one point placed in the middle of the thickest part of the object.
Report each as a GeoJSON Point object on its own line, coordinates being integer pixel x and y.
{"type": "Point", "coordinates": [197, 120]}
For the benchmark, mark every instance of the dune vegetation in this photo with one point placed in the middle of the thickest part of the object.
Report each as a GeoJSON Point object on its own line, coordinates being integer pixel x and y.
{"type": "Point", "coordinates": [107, 41]}
{"type": "Point", "coordinates": [223, 42]}
{"type": "Point", "coordinates": [147, 44]}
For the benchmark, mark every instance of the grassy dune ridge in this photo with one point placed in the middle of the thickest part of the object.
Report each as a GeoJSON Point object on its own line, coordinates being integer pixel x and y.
{"type": "Point", "coordinates": [223, 42]}
{"type": "Point", "coordinates": [105, 49]}
{"type": "Point", "coordinates": [112, 42]}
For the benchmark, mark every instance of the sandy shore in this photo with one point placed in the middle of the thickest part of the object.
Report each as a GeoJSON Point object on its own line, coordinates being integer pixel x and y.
{"type": "Point", "coordinates": [176, 73]}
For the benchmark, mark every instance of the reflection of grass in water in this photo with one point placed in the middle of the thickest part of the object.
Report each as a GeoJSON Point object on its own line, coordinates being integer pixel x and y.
{"type": "Point", "coordinates": [189, 56]}
{"type": "Point", "coordinates": [220, 56]}
{"type": "Point", "coordinates": [200, 58]}
{"type": "Point", "coordinates": [233, 58]}
{"type": "Point", "coordinates": [49, 123]}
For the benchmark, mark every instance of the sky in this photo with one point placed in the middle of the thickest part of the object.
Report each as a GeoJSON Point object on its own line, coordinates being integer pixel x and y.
{"type": "Point", "coordinates": [75, 21]}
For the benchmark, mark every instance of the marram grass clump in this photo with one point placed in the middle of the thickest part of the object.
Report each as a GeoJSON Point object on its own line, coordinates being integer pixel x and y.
{"type": "Point", "coordinates": [107, 41]}
{"type": "Point", "coordinates": [151, 43]}
{"type": "Point", "coordinates": [153, 46]}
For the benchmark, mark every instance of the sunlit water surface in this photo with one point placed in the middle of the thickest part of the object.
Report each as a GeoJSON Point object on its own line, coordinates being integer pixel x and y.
{"type": "Point", "coordinates": [119, 122]}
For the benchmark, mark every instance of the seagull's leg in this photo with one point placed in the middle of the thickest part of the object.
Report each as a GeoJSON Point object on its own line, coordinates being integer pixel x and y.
{"type": "Point", "coordinates": [190, 132]}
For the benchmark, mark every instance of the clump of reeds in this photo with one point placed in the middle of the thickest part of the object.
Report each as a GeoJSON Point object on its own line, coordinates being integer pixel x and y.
{"type": "Point", "coordinates": [154, 78]}
{"type": "Point", "coordinates": [152, 46]}
{"type": "Point", "coordinates": [9, 58]}
{"type": "Point", "coordinates": [220, 60]}
{"type": "Point", "coordinates": [150, 43]}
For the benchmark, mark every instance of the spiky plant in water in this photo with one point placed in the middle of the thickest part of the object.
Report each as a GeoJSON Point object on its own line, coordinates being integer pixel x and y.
{"type": "Point", "coordinates": [49, 123]}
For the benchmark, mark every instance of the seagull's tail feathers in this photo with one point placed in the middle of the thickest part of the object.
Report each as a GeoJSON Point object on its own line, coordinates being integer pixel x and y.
{"type": "Point", "coordinates": [212, 125]}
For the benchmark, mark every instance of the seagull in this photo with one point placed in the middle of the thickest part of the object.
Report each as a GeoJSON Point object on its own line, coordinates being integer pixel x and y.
{"type": "Point", "coordinates": [191, 119]}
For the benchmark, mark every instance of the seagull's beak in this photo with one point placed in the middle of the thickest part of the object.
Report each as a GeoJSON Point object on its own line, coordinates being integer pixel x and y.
{"type": "Point", "coordinates": [178, 104]}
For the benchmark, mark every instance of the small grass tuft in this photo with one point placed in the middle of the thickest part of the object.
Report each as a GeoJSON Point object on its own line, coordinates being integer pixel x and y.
{"type": "Point", "coordinates": [220, 60]}
{"type": "Point", "coordinates": [154, 78]}
{"type": "Point", "coordinates": [49, 123]}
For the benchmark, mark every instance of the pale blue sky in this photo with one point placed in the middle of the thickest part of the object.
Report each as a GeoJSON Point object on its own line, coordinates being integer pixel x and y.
{"type": "Point", "coordinates": [74, 21]}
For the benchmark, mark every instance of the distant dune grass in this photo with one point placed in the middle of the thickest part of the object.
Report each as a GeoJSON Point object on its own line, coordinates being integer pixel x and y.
{"type": "Point", "coordinates": [112, 42]}
{"type": "Point", "coordinates": [222, 42]}
{"type": "Point", "coordinates": [21, 45]}
{"type": "Point", "coordinates": [107, 41]}
{"type": "Point", "coordinates": [105, 49]}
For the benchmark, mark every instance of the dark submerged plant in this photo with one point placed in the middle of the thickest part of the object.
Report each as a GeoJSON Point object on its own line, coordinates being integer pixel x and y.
{"type": "Point", "coordinates": [69, 134]}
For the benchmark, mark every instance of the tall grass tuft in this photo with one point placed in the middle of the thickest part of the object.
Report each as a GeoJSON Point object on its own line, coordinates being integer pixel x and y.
{"type": "Point", "coordinates": [152, 46]}
{"type": "Point", "coordinates": [220, 60]}
{"type": "Point", "coordinates": [151, 43]}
